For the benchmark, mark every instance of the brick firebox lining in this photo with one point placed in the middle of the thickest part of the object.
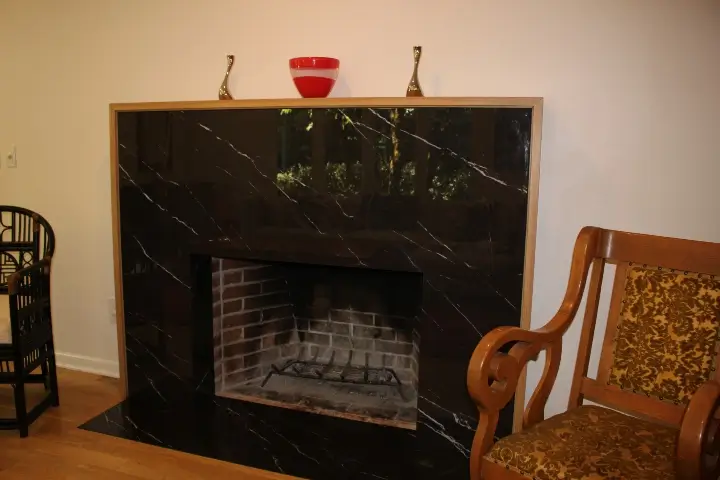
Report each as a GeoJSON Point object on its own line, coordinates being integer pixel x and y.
{"type": "Point", "coordinates": [254, 327]}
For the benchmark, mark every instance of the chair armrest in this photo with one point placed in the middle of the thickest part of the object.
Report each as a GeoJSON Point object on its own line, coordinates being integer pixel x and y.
{"type": "Point", "coordinates": [493, 376]}
{"type": "Point", "coordinates": [698, 445]}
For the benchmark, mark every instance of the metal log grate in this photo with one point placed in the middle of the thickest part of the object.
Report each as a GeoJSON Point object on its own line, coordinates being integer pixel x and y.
{"type": "Point", "coordinates": [331, 371]}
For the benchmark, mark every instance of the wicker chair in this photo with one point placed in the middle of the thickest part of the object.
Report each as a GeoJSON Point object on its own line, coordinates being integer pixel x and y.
{"type": "Point", "coordinates": [25, 239]}
{"type": "Point", "coordinates": [656, 393]}
{"type": "Point", "coordinates": [30, 346]}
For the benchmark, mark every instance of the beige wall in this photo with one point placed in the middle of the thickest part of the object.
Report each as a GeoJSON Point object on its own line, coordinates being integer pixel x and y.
{"type": "Point", "coordinates": [631, 109]}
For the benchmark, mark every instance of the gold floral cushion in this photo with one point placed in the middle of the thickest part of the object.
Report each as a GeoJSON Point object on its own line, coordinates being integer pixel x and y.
{"type": "Point", "coordinates": [667, 336]}
{"type": "Point", "coordinates": [589, 443]}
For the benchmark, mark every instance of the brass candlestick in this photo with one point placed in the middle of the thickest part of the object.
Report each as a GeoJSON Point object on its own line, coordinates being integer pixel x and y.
{"type": "Point", "coordinates": [413, 89]}
{"type": "Point", "coordinates": [224, 93]}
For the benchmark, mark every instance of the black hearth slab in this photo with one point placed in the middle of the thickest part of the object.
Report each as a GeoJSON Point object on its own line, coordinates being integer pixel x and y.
{"type": "Point", "coordinates": [295, 443]}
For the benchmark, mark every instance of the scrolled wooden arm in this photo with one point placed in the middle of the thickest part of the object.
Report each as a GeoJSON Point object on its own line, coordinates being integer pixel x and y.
{"type": "Point", "coordinates": [698, 448]}
{"type": "Point", "coordinates": [493, 376]}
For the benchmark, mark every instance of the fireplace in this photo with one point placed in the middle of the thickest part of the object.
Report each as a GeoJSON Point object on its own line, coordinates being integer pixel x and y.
{"type": "Point", "coordinates": [337, 341]}
{"type": "Point", "coordinates": [277, 259]}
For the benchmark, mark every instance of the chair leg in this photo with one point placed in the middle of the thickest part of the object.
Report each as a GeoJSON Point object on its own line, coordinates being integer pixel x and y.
{"type": "Point", "coordinates": [46, 379]}
{"type": "Point", "coordinates": [20, 404]}
{"type": "Point", "coordinates": [55, 392]}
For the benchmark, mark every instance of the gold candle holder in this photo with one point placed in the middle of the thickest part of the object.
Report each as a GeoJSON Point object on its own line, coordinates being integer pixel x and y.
{"type": "Point", "coordinates": [224, 93]}
{"type": "Point", "coordinates": [413, 89]}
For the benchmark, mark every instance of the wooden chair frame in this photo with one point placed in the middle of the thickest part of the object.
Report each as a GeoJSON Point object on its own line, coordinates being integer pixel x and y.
{"type": "Point", "coordinates": [32, 347]}
{"type": "Point", "coordinates": [493, 376]}
{"type": "Point", "coordinates": [25, 238]}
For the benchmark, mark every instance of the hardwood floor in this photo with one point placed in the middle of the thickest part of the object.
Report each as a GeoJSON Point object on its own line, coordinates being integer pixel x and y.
{"type": "Point", "coordinates": [57, 450]}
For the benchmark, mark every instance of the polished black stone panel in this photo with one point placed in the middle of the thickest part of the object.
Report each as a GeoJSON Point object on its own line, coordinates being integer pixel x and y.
{"type": "Point", "coordinates": [440, 191]}
{"type": "Point", "coordinates": [296, 443]}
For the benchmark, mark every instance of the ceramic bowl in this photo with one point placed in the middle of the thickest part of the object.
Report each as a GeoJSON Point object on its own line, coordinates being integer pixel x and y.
{"type": "Point", "coordinates": [314, 77]}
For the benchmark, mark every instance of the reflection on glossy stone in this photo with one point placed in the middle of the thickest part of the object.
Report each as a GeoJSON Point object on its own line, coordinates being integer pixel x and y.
{"type": "Point", "coordinates": [440, 191]}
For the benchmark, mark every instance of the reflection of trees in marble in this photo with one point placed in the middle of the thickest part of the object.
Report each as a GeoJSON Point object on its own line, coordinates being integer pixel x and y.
{"type": "Point", "coordinates": [342, 180]}
{"type": "Point", "coordinates": [496, 139]}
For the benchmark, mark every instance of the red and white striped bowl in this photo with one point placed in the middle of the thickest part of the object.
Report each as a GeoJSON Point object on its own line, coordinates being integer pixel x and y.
{"type": "Point", "coordinates": [314, 77]}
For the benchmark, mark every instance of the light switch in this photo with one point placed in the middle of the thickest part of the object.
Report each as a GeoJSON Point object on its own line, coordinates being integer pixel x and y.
{"type": "Point", "coordinates": [12, 158]}
{"type": "Point", "coordinates": [112, 314]}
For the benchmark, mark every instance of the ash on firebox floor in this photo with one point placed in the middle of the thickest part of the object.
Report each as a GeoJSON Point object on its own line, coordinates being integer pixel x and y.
{"type": "Point", "coordinates": [381, 403]}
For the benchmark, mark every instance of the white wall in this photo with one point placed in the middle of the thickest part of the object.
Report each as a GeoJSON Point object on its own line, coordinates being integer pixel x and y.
{"type": "Point", "coordinates": [631, 87]}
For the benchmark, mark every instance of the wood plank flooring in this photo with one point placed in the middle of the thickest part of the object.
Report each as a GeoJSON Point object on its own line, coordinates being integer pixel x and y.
{"type": "Point", "coordinates": [57, 450]}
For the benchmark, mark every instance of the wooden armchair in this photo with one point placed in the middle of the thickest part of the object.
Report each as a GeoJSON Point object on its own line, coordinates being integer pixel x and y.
{"type": "Point", "coordinates": [658, 365]}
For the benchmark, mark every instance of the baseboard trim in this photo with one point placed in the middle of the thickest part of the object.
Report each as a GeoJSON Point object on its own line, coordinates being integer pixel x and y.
{"type": "Point", "coordinates": [82, 363]}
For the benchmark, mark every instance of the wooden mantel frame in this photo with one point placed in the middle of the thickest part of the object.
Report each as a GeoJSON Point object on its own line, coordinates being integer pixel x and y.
{"type": "Point", "coordinates": [534, 103]}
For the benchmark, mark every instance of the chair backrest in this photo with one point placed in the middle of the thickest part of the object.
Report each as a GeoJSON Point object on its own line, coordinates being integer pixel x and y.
{"type": "Point", "coordinates": [663, 328]}
{"type": "Point", "coordinates": [9, 264]}
{"type": "Point", "coordinates": [25, 237]}
{"type": "Point", "coordinates": [30, 315]}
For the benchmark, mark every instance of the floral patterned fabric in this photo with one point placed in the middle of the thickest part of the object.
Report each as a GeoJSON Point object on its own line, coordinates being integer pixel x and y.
{"type": "Point", "coordinates": [667, 336]}
{"type": "Point", "coordinates": [589, 443]}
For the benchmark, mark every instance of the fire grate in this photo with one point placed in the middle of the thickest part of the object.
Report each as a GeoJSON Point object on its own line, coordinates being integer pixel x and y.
{"type": "Point", "coordinates": [333, 372]}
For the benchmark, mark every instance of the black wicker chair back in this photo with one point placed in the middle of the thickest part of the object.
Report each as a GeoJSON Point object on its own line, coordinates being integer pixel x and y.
{"type": "Point", "coordinates": [26, 237]}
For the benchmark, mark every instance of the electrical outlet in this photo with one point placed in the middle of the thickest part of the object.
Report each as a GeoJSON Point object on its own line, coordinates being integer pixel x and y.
{"type": "Point", "coordinates": [112, 313]}
{"type": "Point", "coordinates": [11, 158]}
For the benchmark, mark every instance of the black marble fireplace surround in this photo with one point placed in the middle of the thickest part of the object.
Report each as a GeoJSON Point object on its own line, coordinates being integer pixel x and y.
{"type": "Point", "coordinates": [439, 192]}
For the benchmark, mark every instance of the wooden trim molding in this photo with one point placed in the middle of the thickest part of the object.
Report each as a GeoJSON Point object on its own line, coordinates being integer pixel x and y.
{"type": "Point", "coordinates": [534, 103]}
{"type": "Point", "coordinates": [117, 253]}
{"type": "Point", "coordinates": [379, 102]}
{"type": "Point", "coordinates": [530, 236]}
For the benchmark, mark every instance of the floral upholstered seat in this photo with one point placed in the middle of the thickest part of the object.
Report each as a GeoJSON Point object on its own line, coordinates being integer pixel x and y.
{"type": "Point", "coordinates": [590, 443]}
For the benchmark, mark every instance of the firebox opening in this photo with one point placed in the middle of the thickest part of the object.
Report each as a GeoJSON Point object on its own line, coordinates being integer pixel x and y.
{"type": "Point", "coordinates": [331, 340]}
